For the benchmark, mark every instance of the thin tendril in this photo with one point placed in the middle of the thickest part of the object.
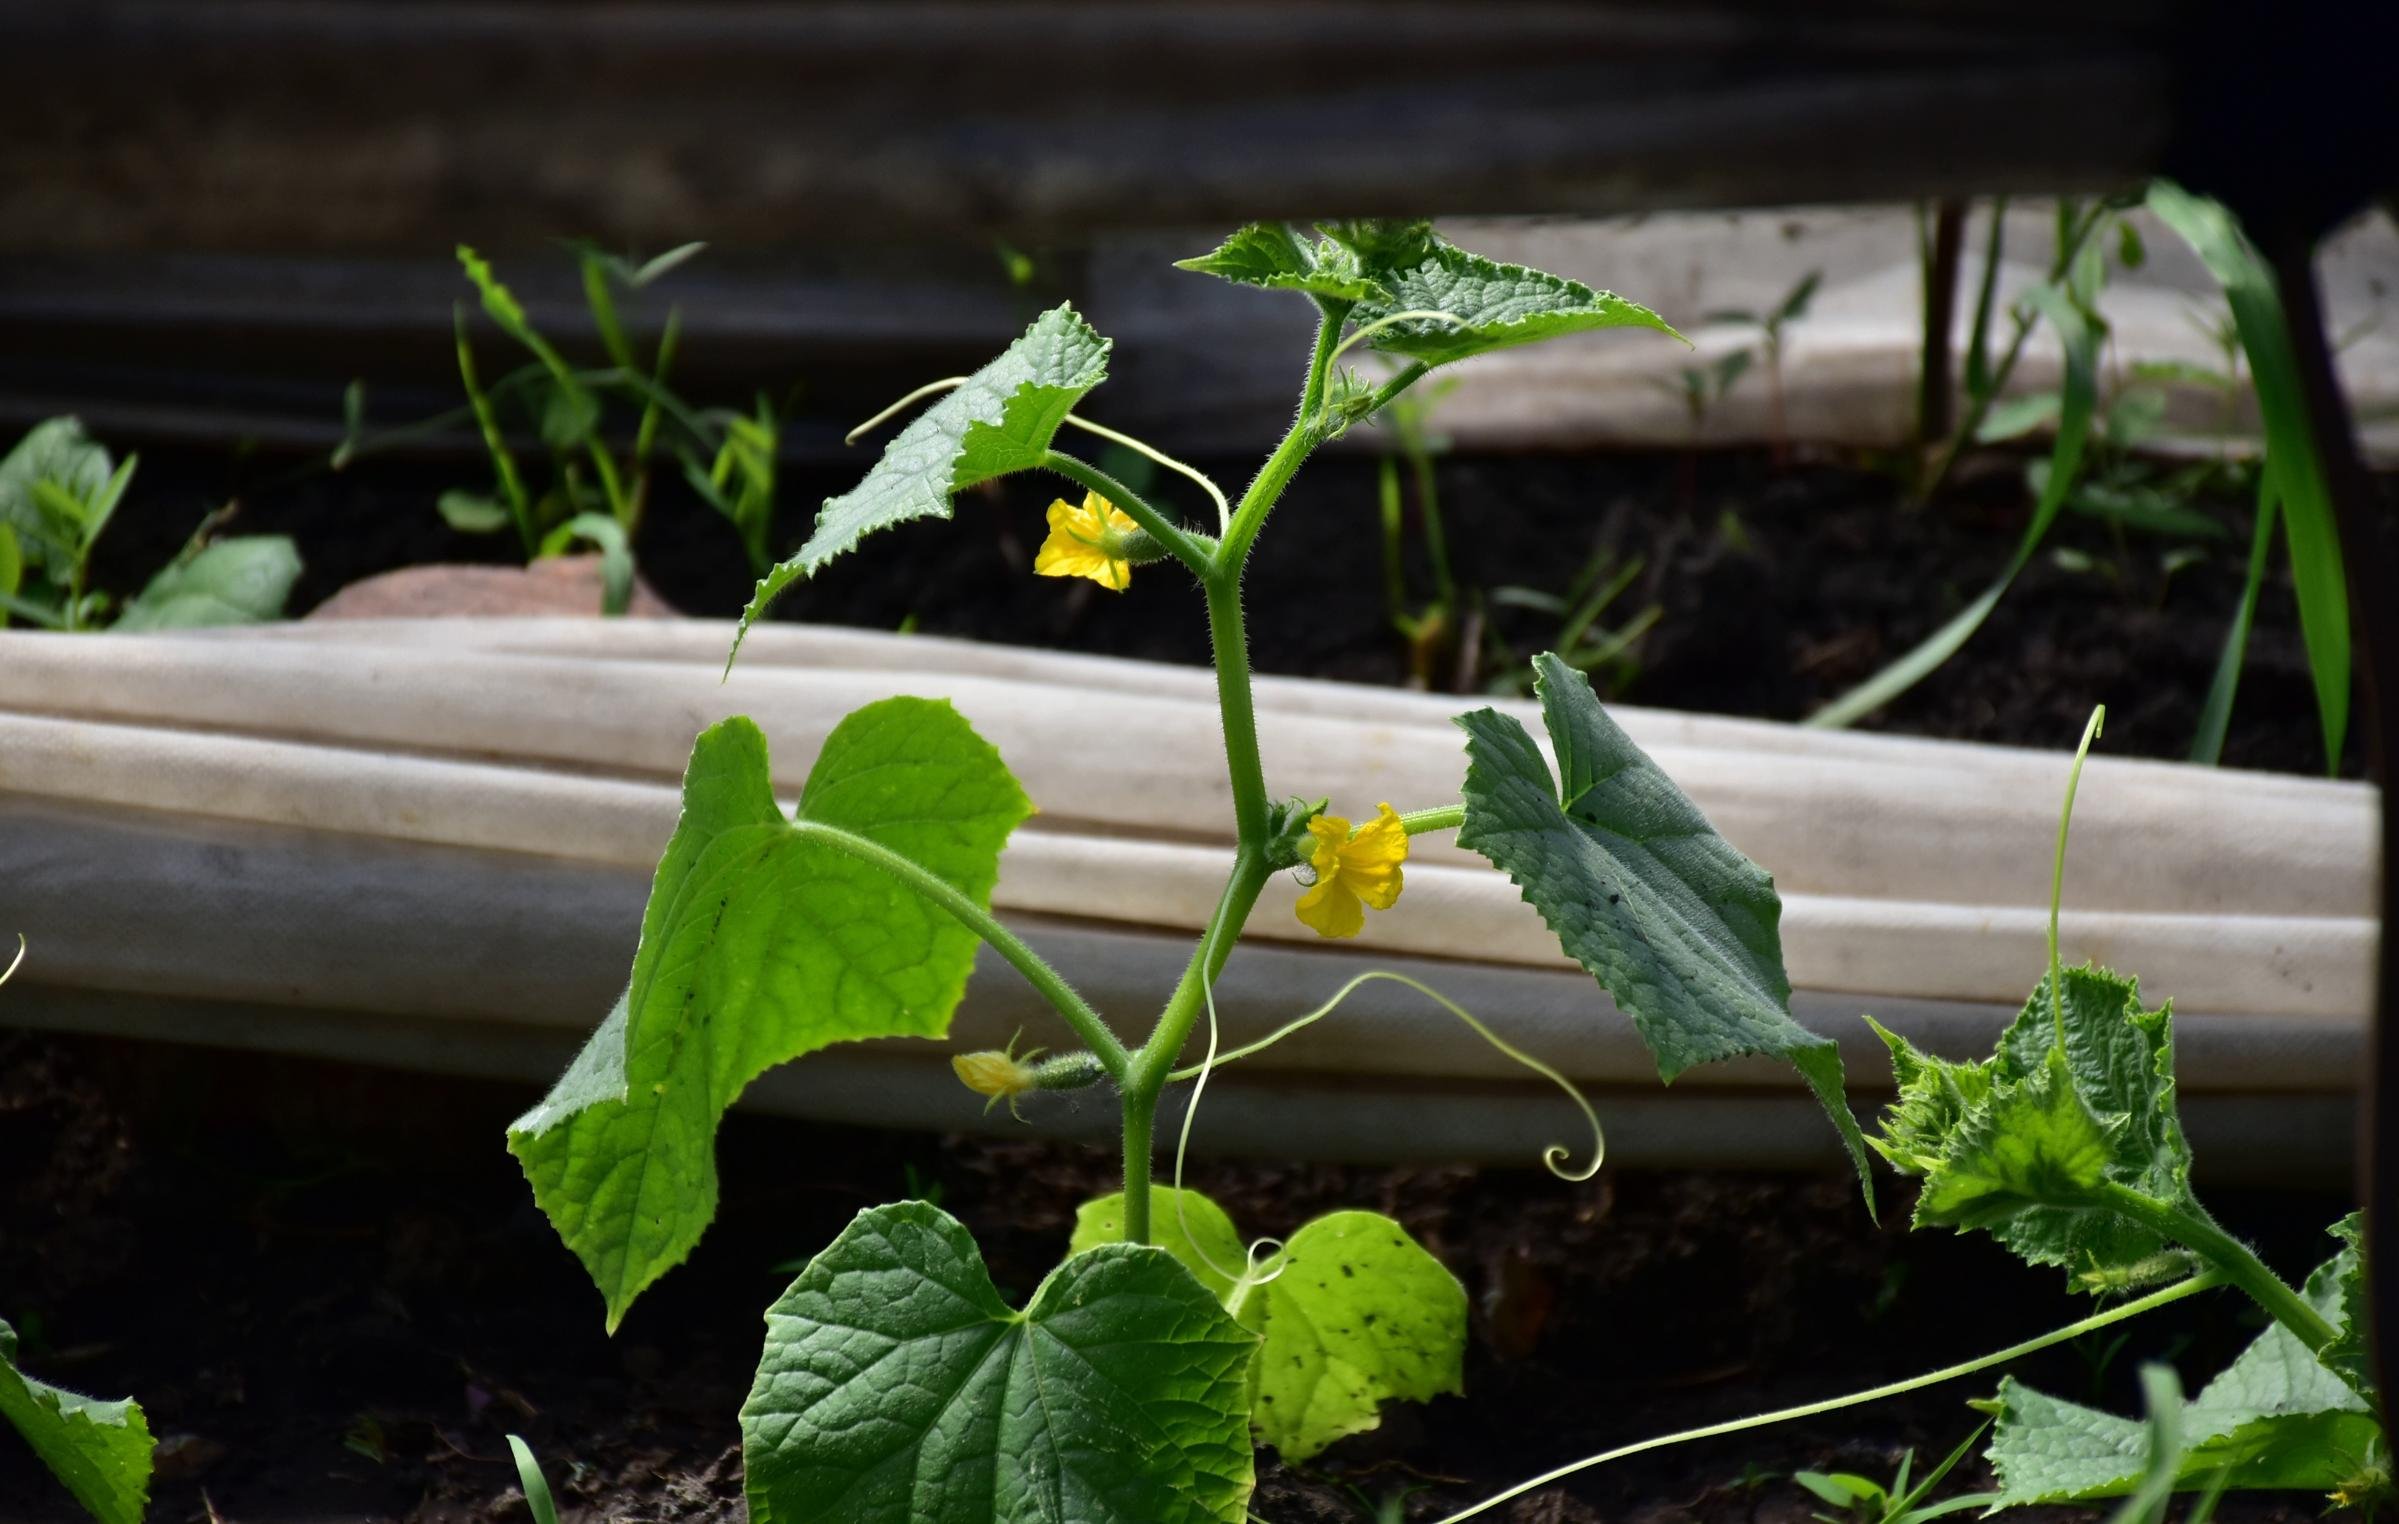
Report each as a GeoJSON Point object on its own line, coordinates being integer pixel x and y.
{"type": "Point", "coordinates": [2057, 868]}
{"type": "Point", "coordinates": [6, 974]}
{"type": "Point", "coordinates": [1552, 1158]}
{"type": "Point", "coordinates": [945, 384]}
{"type": "Point", "coordinates": [1381, 323]}
{"type": "Point", "coordinates": [1239, 1278]}
{"type": "Point", "coordinates": [1224, 510]}
{"type": "Point", "coordinates": [2154, 1300]}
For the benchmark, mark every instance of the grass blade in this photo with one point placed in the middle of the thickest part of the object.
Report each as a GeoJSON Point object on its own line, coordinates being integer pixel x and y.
{"type": "Point", "coordinates": [2215, 715]}
{"type": "Point", "coordinates": [2081, 338]}
{"type": "Point", "coordinates": [537, 1486]}
{"type": "Point", "coordinates": [2298, 476]}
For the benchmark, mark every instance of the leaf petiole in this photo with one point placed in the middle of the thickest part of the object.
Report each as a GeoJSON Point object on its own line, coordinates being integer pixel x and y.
{"type": "Point", "coordinates": [1046, 981]}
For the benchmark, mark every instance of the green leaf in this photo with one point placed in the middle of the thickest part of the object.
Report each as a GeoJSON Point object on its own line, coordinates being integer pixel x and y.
{"type": "Point", "coordinates": [2080, 336]}
{"type": "Point", "coordinates": [2030, 1145]}
{"type": "Point", "coordinates": [1186, 1224]}
{"type": "Point", "coordinates": [1271, 256]}
{"type": "Point", "coordinates": [1352, 1312]}
{"type": "Point", "coordinates": [12, 570]}
{"type": "Point", "coordinates": [1667, 915]}
{"type": "Point", "coordinates": [2309, 526]}
{"type": "Point", "coordinates": [607, 536]}
{"type": "Point", "coordinates": [762, 943]}
{"type": "Point", "coordinates": [245, 580]}
{"type": "Point", "coordinates": [2348, 1356]}
{"type": "Point", "coordinates": [538, 1501]}
{"type": "Point", "coordinates": [2020, 1143]}
{"type": "Point", "coordinates": [100, 1451]}
{"type": "Point", "coordinates": [1356, 1314]}
{"type": "Point", "coordinates": [897, 1387]}
{"type": "Point", "coordinates": [2018, 416]}
{"type": "Point", "coordinates": [1486, 305]}
{"type": "Point", "coordinates": [55, 450]}
{"type": "Point", "coordinates": [2274, 1419]}
{"type": "Point", "coordinates": [1001, 420]}
{"type": "Point", "coordinates": [2215, 715]}
{"type": "Point", "coordinates": [472, 512]}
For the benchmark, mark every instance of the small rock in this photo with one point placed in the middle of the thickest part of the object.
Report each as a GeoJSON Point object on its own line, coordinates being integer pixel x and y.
{"type": "Point", "coordinates": [552, 585]}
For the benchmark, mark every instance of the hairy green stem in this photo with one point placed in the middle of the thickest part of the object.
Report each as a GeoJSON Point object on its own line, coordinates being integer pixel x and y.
{"type": "Point", "coordinates": [2096, 1321]}
{"type": "Point", "coordinates": [1148, 1071]}
{"type": "Point", "coordinates": [1444, 817]}
{"type": "Point", "coordinates": [1179, 543]}
{"type": "Point", "coordinates": [2231, 1258]}
{"type": "Point", "coordinates": [1046, 981]}
{"type": "Point", "coordinates": [1220, 569]}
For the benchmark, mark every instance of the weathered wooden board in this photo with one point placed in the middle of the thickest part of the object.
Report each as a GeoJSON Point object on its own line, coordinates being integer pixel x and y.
{"type": "Point", "coordinates": [322, 125]}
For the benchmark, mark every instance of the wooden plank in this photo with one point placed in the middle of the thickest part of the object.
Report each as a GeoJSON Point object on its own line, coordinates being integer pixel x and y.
{"type": "Point", "coordinates": [321, 125]}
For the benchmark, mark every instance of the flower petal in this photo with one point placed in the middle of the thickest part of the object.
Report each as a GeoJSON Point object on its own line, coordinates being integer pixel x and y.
{"type": "Point", "coordinates": [1331, 909]}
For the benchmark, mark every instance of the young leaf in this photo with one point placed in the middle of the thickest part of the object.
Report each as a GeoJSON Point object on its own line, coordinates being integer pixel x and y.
{"type": "Point", "coordinates": [1483, 304]}
{"type": "Point", "coordinates": [1357, 1314]}
{"type": "Point", "coordinates": [99, 1450]}
{"type": "Point", "coordinates": [1271, 256]}
{"type": "Point", "coordinates": [1001, 420]}
{"type": "Point", "coordinates": [246, 580]}
{"type": "Point", "coordinates": [897, 1387]}
{"type": "Point", "coordinates": [471, 512]}
{"type": "Point", "coordinates": [1187, 1225]}
{"type": "Point", "coordinates": [55, 450]}
{"type": "Point", "coordinates": [2023, 1143]}
{"type": "Point", "coordinates": [1666, 914]}
{"type": "Point", "coordinates": [762, 943]}
{"type": "Point", "coordinates": [1352, 1312]}
{"type": "Point", "coordinates": [12, 570]}
{"type": "Point", "coordinates": [2274, 1419]}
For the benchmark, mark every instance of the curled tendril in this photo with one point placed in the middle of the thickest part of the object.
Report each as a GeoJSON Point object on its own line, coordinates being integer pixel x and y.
{"type": "Point", "coordinates": [1553, 1158]}
{"type": "Point", "coordinates": [945, 384]}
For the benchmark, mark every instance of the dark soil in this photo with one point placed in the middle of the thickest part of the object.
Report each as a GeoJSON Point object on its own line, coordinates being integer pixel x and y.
{"type": "Point", "coordinates": [335, 1298]}
{"type": "Point", "coordinates": [1777, 588]}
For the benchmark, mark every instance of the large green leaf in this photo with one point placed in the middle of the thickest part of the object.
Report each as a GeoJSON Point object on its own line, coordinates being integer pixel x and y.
{"type": "Point", "coordinates": [99, 1450]}
{"type": "Point", "coordinates": [2021, 1143]}
{"type": "Point", "coordinates": [762, 943]}
{"type": "Point", "coordinates": [1001, 420]}
{"type": "Point", "coordinates": [55, 450]}
{"type": "Point", "coordinates": [1484, 305]}
{"type": "Point", "coordinates": [246, 580]}
{"type": "Point", "coordinates": [1667, 915]}
{"type": "Point", "coordinates": [2274, 1419]}
{"type": "Point", "coordinates": [897, 1387]}
{"type": "Point", "coordinates": [2297, 476]}
{"type": "Point", "coordinates": [1352, 1312]}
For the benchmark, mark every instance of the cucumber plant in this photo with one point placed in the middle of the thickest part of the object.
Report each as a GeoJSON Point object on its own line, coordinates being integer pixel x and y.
{"type": "Point", "coordinates": [897, 1383]}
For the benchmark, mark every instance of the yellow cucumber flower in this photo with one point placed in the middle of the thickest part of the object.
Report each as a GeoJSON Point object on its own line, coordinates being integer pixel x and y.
{"type": "Point", "coordinates": [1088, 542]}
{"type": "Point", "coordinates": [1353, 872]}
